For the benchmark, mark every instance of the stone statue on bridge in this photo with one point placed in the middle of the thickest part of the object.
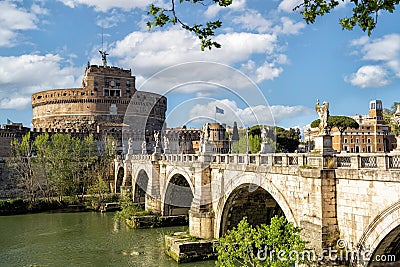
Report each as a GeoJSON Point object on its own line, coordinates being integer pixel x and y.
{"type": "Point", "coordinates": [323, 113]}
{"type": "Point", "coordinates": [265, 146]}
{"type": "Point", "coordinates": [323, 142]}
{"type": "Point", "coordinates": [166, 144]}
{"type": "Point", "coordinates": [144, 149]}
{"type": "Point", "coordinates": [130, 146]}
{"type": "Point", "coordinates": [156, 138]}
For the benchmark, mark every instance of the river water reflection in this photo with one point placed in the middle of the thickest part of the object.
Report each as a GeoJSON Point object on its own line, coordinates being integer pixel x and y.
{"type": "Point", "coordinates": [81, 239]}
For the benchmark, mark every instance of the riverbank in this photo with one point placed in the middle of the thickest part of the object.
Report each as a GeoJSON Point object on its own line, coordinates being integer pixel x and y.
{"type": "Point", "coordinates": [25, 206]}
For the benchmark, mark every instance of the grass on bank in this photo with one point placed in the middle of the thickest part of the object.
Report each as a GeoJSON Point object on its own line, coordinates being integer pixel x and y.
{"type": "Point", "coordinates": [22, 206]}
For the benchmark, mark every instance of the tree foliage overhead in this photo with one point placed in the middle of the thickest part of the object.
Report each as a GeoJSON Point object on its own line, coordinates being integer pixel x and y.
{"type": "Point", "coordinates": [364, 15]}
{"type": "Point", "coordinates": [340, 122]}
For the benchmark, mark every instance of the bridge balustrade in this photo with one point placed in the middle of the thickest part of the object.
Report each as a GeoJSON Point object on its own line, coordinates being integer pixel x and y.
{"type": "Point", "coordinates": [343, 162]}
{"type": "Point", "coordinates": [369, 162]}
{"type": "Point", "coordinates": [353, 161]}
{"type": "Point", "coordinates": [394, 162]}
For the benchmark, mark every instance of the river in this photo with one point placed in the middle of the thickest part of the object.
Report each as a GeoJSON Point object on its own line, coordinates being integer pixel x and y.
{"type": "Point", "coordinates": [81, 239]}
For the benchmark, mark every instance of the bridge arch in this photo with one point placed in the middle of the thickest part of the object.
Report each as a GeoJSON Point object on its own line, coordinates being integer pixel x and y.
{"type": "Point", "coordinates": [139, 188]}
{"type": "Point", "coordinates": [257, 191]}
{"type": "Point", "coordinates": [178, 194]}
{"type": "Point", "coordinates": [382, 235]}
{"type": "Point", "coordinates": [119, 179]}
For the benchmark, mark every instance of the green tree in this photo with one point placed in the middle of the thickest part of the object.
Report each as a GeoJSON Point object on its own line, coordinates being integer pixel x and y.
{"type": "Point", "coordinates": [245, 245]}
{"type": "Point", "coordinates": [287, 140]}
{"type": "Point", "coordinates": [60, 164]}
{"type": "Point", "coordinates": [388, 118]}
{"type": "Point", "coordinates": [21, 164]}
{"type": "Point", "coordinates": [254, 143]}
{"type": "Point", "coordinates": [235, 132]}
{"type": "Point", "coordinates": [342, 123]}
{"type": "Point", "coordinates": [41, 166]}
{"type": "Point", "coordinates": [364, 15]}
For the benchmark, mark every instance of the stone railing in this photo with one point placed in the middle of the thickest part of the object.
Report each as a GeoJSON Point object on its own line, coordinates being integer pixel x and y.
{"type": "Point", "coordinates": [141, 157]}
{"type": "Point", "coordinates": [303, 160]}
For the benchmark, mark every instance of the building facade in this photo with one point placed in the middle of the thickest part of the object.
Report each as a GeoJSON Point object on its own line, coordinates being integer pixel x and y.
{"type": "Point", "coordinates": [372, 136]}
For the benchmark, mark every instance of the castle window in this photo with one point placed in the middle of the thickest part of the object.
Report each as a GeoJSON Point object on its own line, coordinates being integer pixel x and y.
{"type": "Point", "coordinates": [117, 83]}
{"type": "Point", "coordinates": [112, 92]}
{"type": "Point", "coordinates": [107, 81]}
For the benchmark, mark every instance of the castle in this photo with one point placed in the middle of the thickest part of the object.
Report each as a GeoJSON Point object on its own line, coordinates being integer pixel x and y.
{"type": "Point", "coordinates": [99, 106]}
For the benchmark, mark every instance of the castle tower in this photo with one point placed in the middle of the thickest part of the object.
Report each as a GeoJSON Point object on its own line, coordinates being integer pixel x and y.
{"type": "Point", "coordinates": [376, 110]}
{"type": "Point", "coordinates": [99, 105]}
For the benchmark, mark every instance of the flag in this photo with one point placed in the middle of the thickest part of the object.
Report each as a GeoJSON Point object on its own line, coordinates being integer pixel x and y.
{"type": "Point", "coordinates": [219, 110]}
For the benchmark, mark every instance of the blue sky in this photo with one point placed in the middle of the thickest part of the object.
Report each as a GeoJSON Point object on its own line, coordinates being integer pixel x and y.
{"type": "Point", "coordinates": [46, 44]}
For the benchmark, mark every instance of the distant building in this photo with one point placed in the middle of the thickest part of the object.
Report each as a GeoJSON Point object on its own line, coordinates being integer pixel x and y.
{"type": "Point", "coordinates": [187, 141]}
{"type": "Point", "coordinates": [219, 138]}
{"type": "Point", "coordinates": [373, 134]}
{"type": "Point", "coordinates": [182, 140]}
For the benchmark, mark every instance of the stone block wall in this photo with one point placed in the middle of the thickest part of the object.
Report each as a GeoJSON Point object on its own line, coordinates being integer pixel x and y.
{"type": "Point", "coordinates": [8, 185]}
{"type": "Point", "coordinates": [360, 200]}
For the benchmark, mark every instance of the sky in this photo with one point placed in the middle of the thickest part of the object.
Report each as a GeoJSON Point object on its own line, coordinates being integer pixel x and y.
{"type": "Point", "coordinates": [271, 69]}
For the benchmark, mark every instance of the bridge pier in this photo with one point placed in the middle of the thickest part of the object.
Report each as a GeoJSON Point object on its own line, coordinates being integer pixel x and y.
{"type": "Point", "coordinates": [153, 196]}
{"type": "Point", "coordinates": [201, 217]}
{"type": "Point", "coordinates": [330, 229]}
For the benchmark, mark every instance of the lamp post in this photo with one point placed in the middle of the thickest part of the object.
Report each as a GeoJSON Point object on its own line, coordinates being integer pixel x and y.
{"type": "Point", "coordinates": [309, 140]}
{"type": "Point", "coordinates": [230, 143]}
{"type": "Point", "coordinates": [247, 143]}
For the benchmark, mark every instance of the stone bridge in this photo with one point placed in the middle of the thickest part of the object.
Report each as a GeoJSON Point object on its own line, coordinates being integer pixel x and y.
{"type": "Point", "coordinates": [354, 197]}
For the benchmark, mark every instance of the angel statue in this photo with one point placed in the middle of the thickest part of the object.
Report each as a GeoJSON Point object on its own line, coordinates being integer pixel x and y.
{"type": "Point", "coordinates": [157, 137]}
{"type": "Point", "coordinates": [323, 113]}
{"type": "Point", "coordinates": [264, 134]}
{"type": "Point", "coordinates": [166, 142]}
{"type": "Point", "coordinates": [104, 55]}
{"type": "Point", "coordinates": [144, 149]}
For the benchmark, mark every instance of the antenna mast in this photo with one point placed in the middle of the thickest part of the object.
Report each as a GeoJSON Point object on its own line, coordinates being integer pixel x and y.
{"type": "Point", "coordinates": [102, 52]}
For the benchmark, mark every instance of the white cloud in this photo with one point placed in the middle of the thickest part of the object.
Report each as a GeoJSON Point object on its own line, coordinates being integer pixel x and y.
{"type": "Point", "coordinates": [288, 5]}
{"type": "Point", "coordinates": [14, 19]}
{"type": "Point", "coordinates": [20, 76]}
{"type": "Point", "coordinates": [289, 27]}
{"type": "Point", "coordinates": [105, 5]}
{"type": "Point", "coordinates": [112, 19]}
{"type": "Point", "coordinates": [253, 20]}
{"type": "Point", "coordinates": [267, 71]}
{"type": "Point", "coordinates": [369, 76]}
{"type": "Point", "coordinates": [15, 102]}
{"type": "Point", "coordinates": [213, 10]}
{"type": "Point", "coordinates": [385, 48]}
{"type": "Point", "coordinates": [384, 53]}
{"type": "Point", "coordinates": [251, 115]}
{"type": "Point", "coordinates": [145, 54]}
